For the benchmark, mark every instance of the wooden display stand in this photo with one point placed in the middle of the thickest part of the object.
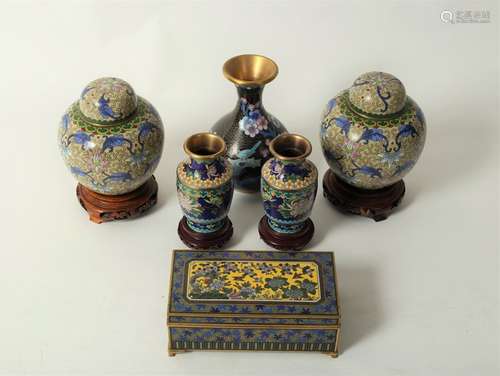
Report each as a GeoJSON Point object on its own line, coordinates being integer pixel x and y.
{"type": "Point", "coordinates": [286, 242]}
{"type": "Point", "coordinates": [376, 204]}
{"type": "Point", "coordinates": [106, 208]}
{"type": "Point", "coordinates": [198, 240]}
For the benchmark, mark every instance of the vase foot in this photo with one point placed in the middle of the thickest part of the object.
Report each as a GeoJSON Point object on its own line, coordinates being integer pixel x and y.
{"type": "Point", "coordinates": [198, 240]}
{"type": "Point", "coordinates": [286, 242]}
{"type": "Point", "coordinates": [107, 208]}
{"type": "Point", "coordinates": [376, 204]}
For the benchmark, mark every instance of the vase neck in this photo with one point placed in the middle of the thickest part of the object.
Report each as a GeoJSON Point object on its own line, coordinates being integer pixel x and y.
{"type": "Point", "coordinates": [205, 161]}
{"type": "Point", "coordinates": [253, 95]}
{"type": "Point", "coordinates": [293, 162]}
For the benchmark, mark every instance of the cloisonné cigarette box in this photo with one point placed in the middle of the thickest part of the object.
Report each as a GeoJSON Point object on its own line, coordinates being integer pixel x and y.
{"type": "Point", "coordinates": [253, 300]}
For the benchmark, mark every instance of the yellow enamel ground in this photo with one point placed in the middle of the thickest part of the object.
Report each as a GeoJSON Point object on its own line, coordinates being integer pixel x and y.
{"type": "Point", "coordinates": [259, 281]}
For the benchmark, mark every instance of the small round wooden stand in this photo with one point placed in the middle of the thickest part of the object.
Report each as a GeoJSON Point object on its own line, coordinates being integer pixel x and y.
{"type": "Point", "coordinates": [376, 204]}
{"type": "Point", "coordinates": [286, 242]}
{"type": "Point", "coordinates": [198, 240]}
{"type": "Point", "coordinates": [106, 208]}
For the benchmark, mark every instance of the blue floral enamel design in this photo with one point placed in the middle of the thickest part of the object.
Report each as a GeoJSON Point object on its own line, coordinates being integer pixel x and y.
{"type": "Point", "coordinates": [105, 110]}
{"type": "Point", "coordinates": [98, 172]}
{"type": "Point", "coordinates": [392, 158]}
{"type": "Point", "coordinates": [80, 138]}
{"type": "Point", "coordinates": [257, 320]}
{"type": "Point", "coordinates": [179, 303]}
{"type": "Point", "coordinates": [254, 339]}
{"type": "Point", "coordinates": [287, 211]}
{"type": "Point", "coordinates": [374, 133]}
{"type": "Point", "coordinates": [329, 106]}
{"type": "Point", "coordinates": [288, 171]}
{"type": "Point", "coordinates": [254, 157]}
{"type": "Point", "coordinates": [341, 122]}
{"type": "Point", "coordinates": [112, 142]}
{"type": "Point", "coordinates": [205, 171]}
{"type": "Point", "coordinates": [253, 121]}
{"type": "Point", "coordinates": [118, 177]}
{"type": "Point", "coordinates": [111, 139]}
{"type": "Point", "coordinates": [205, 209]}
{"type": "Point", "coordinates": [405, 130]}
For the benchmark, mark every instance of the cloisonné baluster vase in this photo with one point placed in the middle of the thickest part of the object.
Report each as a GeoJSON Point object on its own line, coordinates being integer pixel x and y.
{"type": "Point", "coordinates": [249, 128]}
{"type": "Point", "coordinates": [205, 190]}
{"type": "Point", "coordinates": [111, 140]}
{"type": "Point", "coordinates": [288, 186]}
{"type": "Point", "coordinates": [372, 135]}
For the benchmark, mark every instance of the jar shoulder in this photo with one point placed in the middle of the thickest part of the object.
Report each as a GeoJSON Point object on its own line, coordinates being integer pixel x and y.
{"type": "Point", "coordinates": [339, 115]}
{"type": "Point", "coordinates": [290, 176]}
{"type": "Point", "coordinates": [204, 175]}
{"type": "Point", "coordinates": [144, 121]}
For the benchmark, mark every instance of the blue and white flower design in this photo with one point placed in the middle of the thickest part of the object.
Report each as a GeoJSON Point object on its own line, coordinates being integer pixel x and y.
{"type": "Point", "coordinates": [252, 122]}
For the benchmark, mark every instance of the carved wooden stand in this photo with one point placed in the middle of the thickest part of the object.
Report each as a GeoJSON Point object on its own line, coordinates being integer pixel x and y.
{"type": "Point", "coordinates": [106, 208]}
{"type": "Point", "coordinates": [376, 204]}
{"type": "Point", "coordinates": [198, 240]}
{"type": "Point", "coordinates": [286, 242]}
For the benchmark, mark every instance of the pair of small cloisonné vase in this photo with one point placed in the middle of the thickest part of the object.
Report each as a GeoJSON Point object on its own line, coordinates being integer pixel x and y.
{"type": "Point", "coordinates": [371, 136]}
{"type": "Point", "coordinates": [205, 189]}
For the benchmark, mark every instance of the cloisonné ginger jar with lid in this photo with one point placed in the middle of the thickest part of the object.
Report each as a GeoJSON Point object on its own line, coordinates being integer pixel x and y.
{"type": "Point", "coordinates": [288, 186]}
{"type": "Point", "coordinates": [111, 139]}
{"type": "Point", "coordinates": [372, 135]}
{"type": "Point", "coordinates": [205, 191]}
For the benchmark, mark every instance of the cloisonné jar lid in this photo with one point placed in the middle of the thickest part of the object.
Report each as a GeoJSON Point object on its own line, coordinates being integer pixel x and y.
{"type": "Point", "coordinates": [377, 93]}
{"type": "Point", "coordinates": [107, 100]}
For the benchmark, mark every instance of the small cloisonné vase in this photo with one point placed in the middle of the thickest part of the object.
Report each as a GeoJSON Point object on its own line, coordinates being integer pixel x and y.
{"type": "Point", "coordinates": [373, 133]}
{"type": "Point", "coordinates": [249, 128]}
{"type": "Point", "coordinates": [288, 186]}
{"type": "Point", "coordinates": [205, 190]}
{"type": "Point", "coordinates": [111, 139]}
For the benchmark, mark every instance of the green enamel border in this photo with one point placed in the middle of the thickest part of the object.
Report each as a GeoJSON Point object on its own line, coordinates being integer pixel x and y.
{"type": "Point", "coordinates": [406, 115]}
{"type": "Point", "coordinates": [140, 115]}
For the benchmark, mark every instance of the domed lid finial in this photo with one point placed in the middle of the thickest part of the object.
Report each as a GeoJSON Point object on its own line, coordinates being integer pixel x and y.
{"type": "Point", "coordinates": [377, 93]}
{"type": "Point", "coordinates": [108, 100]}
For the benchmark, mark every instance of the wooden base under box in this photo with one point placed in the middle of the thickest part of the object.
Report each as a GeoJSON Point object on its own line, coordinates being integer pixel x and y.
{"type": "Point", "coordinates": [253, 301]}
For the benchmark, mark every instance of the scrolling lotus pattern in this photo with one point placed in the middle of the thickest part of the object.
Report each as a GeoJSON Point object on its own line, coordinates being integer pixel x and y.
{"type": "Point", "coordinates": [253, 280]}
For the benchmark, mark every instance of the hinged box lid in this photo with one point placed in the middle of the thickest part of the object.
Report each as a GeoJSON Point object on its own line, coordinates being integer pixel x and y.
{"type": "Point", "coordinates": [253, 287]}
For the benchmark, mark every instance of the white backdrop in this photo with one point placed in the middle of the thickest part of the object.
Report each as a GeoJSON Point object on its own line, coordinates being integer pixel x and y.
{"type": "Point", "coordinates": [419, 292]}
